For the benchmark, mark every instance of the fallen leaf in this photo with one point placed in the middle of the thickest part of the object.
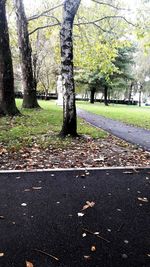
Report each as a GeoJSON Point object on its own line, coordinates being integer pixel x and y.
{"type": "Point", "coordinates": [87, 257]}
{"type": "Point", "coordinates": [143, 199]}
{"type": "Point", "coordinates": [93, 248]}
{"type": "Point", "coordinates": [88, 205]}
{"type": "Point", "coordinates": [1, 254]}
{"type": "Point", "coordinates": [96, 233]}
{"type": "Point", "coordinates": [84, 235]}
{"type": "Point", "coordinates": [24, 204]}
{"type": "Point", "coordinates": [80, 214]}
{"type": "Point", "coordinates": [29, 264]}
{"type": "Point", "coordinates": [99, 159]}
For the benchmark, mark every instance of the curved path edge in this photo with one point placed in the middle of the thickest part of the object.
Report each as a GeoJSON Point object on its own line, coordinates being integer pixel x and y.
{"type": "Point", "coordinates": [134, 135]}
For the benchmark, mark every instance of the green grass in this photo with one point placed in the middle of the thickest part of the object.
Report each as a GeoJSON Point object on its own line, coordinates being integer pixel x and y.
{"type": "Point", "coordinates": [138, 116]}
{"type": "Point", "coordinates": [39, 126]}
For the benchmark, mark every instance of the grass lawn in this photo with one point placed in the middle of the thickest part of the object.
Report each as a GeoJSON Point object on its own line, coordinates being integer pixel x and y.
{"type": "Point", "coordinates": [138, 116]}
{"type": "Point", "coordinates": [39, 126]}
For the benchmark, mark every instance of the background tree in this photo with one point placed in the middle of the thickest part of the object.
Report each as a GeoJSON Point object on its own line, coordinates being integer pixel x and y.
{"type": "Point", "coordinates": [29, 85]}
{"type": "Point", "coordinates": [7, 98]}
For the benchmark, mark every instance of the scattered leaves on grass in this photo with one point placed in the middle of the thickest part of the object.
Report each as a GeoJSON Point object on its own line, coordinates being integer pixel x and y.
{"type": "Point", "coordinates": [73, 153]}
{"type": "Point", "coordinates": [88, 205]}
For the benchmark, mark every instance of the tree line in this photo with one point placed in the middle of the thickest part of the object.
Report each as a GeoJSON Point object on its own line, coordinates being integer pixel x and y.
{"type": "Point", "coordinates": [109, 64]}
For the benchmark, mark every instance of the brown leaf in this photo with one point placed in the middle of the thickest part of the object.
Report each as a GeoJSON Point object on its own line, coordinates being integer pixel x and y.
{"type": "Point", "coordinates": [143, 199]}
{"type": "Point", "coordinates": [29, 264]}
{"type": "Point", "coordinates": [88, 205]}
{"type": "Point", "coordinates": [93, 248]}
{"type": "Point", "coordinates": [1, 254]}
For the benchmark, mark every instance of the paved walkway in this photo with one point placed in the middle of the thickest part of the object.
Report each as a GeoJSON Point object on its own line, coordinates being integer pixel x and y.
{"type": "Point", "coordinates": [131, 134]}
{"type": "Point", "coordinates": [42, 221]}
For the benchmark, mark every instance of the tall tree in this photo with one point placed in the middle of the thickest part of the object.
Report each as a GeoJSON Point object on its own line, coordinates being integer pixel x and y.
{"type": "Point", "coordinates": [7, 98]}
{"type": "Point", "coordinates": [29, 98]}
{"type": "Point", "coordinates": [70, 8]}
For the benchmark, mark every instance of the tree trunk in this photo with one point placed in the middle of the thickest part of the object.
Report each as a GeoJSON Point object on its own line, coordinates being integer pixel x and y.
{"type": "Point", "coordinates": [92, 95]}
{"type": "Point", "coordinates": [69, 126]}
{"type": "Point", "coordinates": [7, 97]}
{"type": "Point", "coordinates": [29, 98]}
{"type": "Point", "coordinates": [106, 95]}
{"type": "Point", "coordinates": [140, 95]}
{"type": "Point", "coordinates": [130, 93]}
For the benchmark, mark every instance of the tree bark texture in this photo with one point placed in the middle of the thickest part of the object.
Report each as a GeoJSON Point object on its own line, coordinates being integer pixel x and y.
{"type": "Point", "coordinates": [7, 97]}
{"type": "Point", "coordinates": [69, 108]}
{"type": "Point", "coordinates": [29, 98]}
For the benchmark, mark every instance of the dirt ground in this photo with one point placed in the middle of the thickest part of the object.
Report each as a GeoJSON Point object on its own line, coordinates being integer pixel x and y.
{"type": "Point", "coordinates": [80, 152]}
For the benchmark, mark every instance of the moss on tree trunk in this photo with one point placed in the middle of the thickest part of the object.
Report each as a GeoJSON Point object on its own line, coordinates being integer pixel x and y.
{"type": "Point", "coordinates": [7, 97]}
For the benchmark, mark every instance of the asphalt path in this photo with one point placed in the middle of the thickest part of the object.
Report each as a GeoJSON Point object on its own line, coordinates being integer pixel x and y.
{"type": "Point", "coordinates": [42, 221]}
{"type": "Point", "coordinates": [131, 134]}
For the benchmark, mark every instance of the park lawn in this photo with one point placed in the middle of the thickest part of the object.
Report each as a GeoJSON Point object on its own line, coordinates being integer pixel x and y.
{"type": "Point", "coordinates": [134, 115]}
{"type": "Point", "coordinates": [39, 126]}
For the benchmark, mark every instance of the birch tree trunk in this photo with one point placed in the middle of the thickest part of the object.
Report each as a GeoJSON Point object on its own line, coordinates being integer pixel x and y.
{"type": "Point", "coordinates": [69, 109]}
{"type": "Point", "coordinates": [7, 97]}
{"type": "Point", "coordinates": [29, 98]}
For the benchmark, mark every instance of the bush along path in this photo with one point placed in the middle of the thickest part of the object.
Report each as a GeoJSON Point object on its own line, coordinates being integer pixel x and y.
{"type": "Point", "coordinates": [131, 134]}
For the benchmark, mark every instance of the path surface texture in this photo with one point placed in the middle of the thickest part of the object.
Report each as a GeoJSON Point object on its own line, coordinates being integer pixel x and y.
{"type": "Point", "coordinates": [131, 134]}
{"type": "Point", "coordinates": [42, 220]}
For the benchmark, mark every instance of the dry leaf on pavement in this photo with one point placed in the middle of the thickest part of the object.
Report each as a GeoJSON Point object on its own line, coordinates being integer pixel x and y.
{"type": "Point", "coordinates": [88, 205]}
{"type": "Point", "coordinates": [143, 199]}
{"type": "Point", "coordinates": [29, 264]}
{"type": "Point", "coordinates": [93, 248]}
